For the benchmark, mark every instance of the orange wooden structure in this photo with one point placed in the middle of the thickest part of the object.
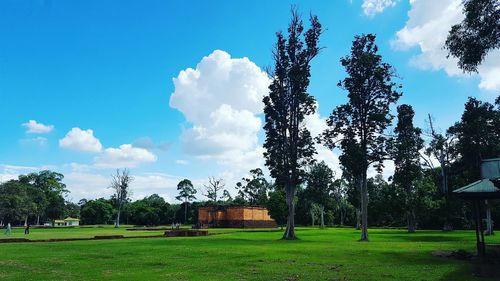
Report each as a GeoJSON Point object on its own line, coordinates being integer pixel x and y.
{"type": "Point", "coordinates": [235, 216]}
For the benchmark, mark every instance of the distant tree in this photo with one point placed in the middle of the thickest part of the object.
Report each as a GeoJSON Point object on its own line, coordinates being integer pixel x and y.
{"type": "Point", "coordinates": [277, 207]}
{"type": "Point", "coordinates": [47, 192]}
{"type": "Point", "coordinates": [405, 152]}
{"type": "Point", "coordinates": [479, 32]}
{"type": "Point", "coordinates": [120, 183]}
{"type": "Point", "coordinates": [226, 196]}
{"type": "Point", "coordinates": [319, 181]}
{"type": "Point", "coordinates": [186, 194]}
{"type": "Point", "coordinates": [339, 192]}
{"type": "Point", "coordinates": [98, 211]}
{"type": "Point", "coordinates": [71, 210]}
{"type": "Point", "coordinates": [15, 202]}
{"type": "Point", "coordinates": [289, 146]}
{"type": "Point", "coordinates": [151, 210]}
{"type": "Point", "coordinates": [254, 189]}
{"type": "Point", "coordinates": [442, 148]}
{"type": "Point", "coordinates": [214, 188]}
{"type": "Point", "coordinates": [359, 125]}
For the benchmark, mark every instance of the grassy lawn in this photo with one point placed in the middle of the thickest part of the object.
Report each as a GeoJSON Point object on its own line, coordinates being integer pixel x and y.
{"type": "Point", "coordinates": [331, 254]}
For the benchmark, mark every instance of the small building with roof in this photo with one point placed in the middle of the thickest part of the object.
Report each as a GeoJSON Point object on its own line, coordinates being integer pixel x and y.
{"type": "Point", "coordinates": [488, 188]}
{"type": "Point", "coordinates": [69, 221]}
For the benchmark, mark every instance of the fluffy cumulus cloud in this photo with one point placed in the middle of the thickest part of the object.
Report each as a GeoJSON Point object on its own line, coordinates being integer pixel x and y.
{"type": "Point", "coordinates": [82, 140]}
{"type": "Point", "coordinates": [427, 28]}
{"type": "Point", "coordinates": [221, 99]}
{"type": "Point", "coordinates": [125, 156]}
{"type": "Point", "coordinates": [373, 7]}
{"type": "Point", "coordinates": [33, 127]}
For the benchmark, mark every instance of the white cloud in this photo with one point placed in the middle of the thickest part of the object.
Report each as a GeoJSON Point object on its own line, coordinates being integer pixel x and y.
{"type": "Point", "coordinates": [37, 128]}
{"type": "Point", "coordinates": [427, 28]}
{"type": "Point", "coordinates": [221, 98]}
{"type": "Point", "coordinates": [373, 7]}
{"type": "Point", "coordinates": [125, 156]}
{"type": "Point", "coordinates": [40, 141]}
{"type": "Point", "coordinates": [83, 140]}
{"type": "Point", "coordinates": [181, 162]}
{"type": "Point", "coordinates": [87, 185]}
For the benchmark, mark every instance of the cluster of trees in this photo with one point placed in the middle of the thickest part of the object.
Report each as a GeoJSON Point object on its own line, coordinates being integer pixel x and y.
{"type": "Point", "coordinates": [35, 198]}
{"type": "Point", "coordinates": [360, 127]}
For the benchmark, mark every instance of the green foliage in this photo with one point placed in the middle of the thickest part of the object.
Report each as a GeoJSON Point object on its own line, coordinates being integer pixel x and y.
{"type": "Point", "coordinates": [289, 146]}
{"type": "Point", "coordinates": [186, 193]}
{"type": "Point", "coordinates": [276, 205]}
{"type": "Point", "coordinates": [358, 126]}
{"type": "Point", "coordinates": [472, 39]}
{"type": "Point", "coordinates": [478, 135]}
{"type": "Point", "coordinates": [98, 211]}
{"type": "Point", "coordinates": [15, 202]}
{"type": "Point", "coordinates": [254, 189]}
{"type": "Point", "coordinates": [405, 149]}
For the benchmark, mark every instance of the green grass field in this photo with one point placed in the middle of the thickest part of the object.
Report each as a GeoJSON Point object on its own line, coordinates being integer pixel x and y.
{"type": "Point", "coordinates": [329, 254]}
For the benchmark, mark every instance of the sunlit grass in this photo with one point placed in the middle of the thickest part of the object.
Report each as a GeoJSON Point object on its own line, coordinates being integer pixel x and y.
{"type": "Point", "coordinates": [329, 254]}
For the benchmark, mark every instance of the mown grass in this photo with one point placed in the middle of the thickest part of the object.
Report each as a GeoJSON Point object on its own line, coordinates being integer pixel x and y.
{"type": "Point", "coordinates": [329, 254]}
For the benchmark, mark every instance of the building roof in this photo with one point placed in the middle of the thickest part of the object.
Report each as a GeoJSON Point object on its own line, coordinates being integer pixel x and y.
{"type": "Point", "coordinates": [70, 219]}
{"type": "Point", "coordinates": [481, 189]}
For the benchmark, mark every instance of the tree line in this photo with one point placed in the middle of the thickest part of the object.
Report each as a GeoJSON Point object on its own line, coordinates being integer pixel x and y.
{"type": "Point", "coordinates": [429, 163]}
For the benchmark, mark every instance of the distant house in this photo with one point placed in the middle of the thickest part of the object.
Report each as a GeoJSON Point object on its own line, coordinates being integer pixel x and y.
{"type": "Point", "coordinates": [235, 216]}
{"type": "Point", "coordinates": [67, 222]}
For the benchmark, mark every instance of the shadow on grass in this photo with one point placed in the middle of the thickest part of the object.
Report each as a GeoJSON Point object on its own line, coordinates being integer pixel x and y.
{"type": "Point", "coordinates": [428, 238]}
{"type": "Point", "coordinates": [461, 272]}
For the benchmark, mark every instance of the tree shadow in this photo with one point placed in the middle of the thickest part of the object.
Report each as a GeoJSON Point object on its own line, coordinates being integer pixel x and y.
{"type": "Point", "coordinates": [429, 238]}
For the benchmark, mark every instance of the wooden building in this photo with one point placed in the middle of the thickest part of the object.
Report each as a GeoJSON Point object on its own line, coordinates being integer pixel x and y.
{"type": "Point", "coordinates": [235, 216]}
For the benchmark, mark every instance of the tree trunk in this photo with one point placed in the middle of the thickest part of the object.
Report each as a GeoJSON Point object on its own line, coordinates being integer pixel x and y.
{"type": "Point", "coordinates": [290, 223]}
{"type": "Point", "coordinates": [411, 222]}
{"type": "Point", "coordinates": [26, 221]}
{"type": "Point", "coordinates": [312, 217]}
{"type": "Point", "coordinates": [342, 216]}
{"type": "Point", "coordinates": [489, 223]}
{"type": "Point", "coordinates": [322, 211]}
{"type": "Point", "coordinates": [38, 220]}
{"type": "Point", "coordinates": [358, 219]}
{"type": "Point", "coordinates": [117, 223]}
{"type": "Point", "coordinates": [185, 212]}
{"type": "Point", "coordinates": [364, 208]}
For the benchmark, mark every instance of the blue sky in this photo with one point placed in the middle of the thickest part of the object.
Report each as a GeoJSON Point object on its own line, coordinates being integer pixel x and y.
{"type": "Point", "coordinates": [106, 68]}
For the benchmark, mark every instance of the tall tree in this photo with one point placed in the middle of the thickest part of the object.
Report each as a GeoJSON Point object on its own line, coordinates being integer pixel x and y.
{"type": "Point", "coordinates": [120, 183]}
{"type": "Point", "coordinates": [186, 194]}
{"type": "Point", "coordinates": [479, 32]}
{"type": "Point", "coordinates": [359, 125]}
{"type": "Point", "coordinates": [405, 152]}
{"type": "Point", "coordinates": [289, 146]}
